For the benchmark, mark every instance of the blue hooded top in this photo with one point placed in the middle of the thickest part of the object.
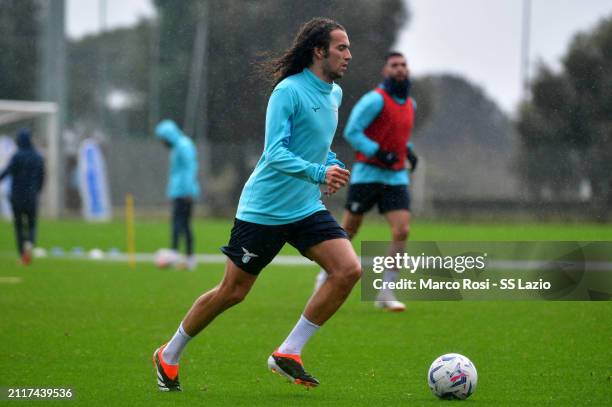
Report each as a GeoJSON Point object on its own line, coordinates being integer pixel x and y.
{"type": "Point", "coordinates": [183, 174]}
{"type": "Point", "coordinates": [27, 170]}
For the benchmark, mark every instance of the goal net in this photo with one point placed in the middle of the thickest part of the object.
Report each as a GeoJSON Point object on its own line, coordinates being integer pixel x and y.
{"type": "Point", "coordinates": [42, 119]}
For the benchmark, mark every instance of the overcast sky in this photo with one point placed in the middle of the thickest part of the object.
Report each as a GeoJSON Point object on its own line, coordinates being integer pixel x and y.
{"type": "Point", "coordinates": [478, 39]}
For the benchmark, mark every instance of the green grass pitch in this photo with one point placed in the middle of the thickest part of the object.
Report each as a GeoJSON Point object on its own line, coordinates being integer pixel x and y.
{"type": "Point", "coordinates": [93, 326]}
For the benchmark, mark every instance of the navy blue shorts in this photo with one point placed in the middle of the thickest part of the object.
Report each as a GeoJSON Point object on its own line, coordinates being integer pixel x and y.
{"type": "Point", "coordinates": [362, 197]}
{"type": "Point", "coordinates": [252, 246]}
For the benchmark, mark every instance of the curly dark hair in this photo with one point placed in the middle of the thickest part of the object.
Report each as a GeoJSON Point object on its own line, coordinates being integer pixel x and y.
{"type": "Point", "coordinates": [313, 34]}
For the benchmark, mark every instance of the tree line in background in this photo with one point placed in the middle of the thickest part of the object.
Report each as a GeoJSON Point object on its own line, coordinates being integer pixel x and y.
{"type": "Point", "coordinates": [122, 80]}
{"type": "Point", "coordinates": [18, 45]}
{"type": "Point", "coordinates": [566, 126]}
{"type": "Point", "coordinates": [152, 63]}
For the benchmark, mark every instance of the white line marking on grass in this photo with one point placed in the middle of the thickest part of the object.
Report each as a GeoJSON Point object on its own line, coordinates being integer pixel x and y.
{"type": "Point", "coordinates": [284, 260]}
{"type": "Point", "coordinates": [11, 280]}
{"type": "Point", "coordinates": [201, 258]}
{"type": "Point", "coordinates": [216, 259]}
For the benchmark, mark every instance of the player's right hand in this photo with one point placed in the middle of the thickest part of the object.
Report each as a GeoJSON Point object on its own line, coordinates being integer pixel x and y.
{"type": "Point", "coordinates": [387, 158]}
{"type": "Point", "coordinates": [336, 178]}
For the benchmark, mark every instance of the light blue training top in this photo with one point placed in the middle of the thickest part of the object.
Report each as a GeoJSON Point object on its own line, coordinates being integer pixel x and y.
{"type": "Point", "coordinates": [183, 176]}
{"type": "Point", "coordinates": [301, 120]}
{"type": "Point", "coordinates": [363, 114]}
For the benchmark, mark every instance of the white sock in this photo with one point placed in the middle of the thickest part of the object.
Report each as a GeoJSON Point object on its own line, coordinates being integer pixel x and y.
{"type": "Point", "coordinates": [388, 277]}
{"type": "Point", "coordinates": [298, 337]}
{"type": "Point", "coordinates": [191, 262]}
{"type": "Point", "coordinates": [174, 348]}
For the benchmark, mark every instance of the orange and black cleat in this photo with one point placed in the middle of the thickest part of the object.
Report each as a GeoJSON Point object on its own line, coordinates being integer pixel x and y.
{"type": "Point", "coordinates": [291, 367]}
{"type": "Point", "coordinates": [167, 375]}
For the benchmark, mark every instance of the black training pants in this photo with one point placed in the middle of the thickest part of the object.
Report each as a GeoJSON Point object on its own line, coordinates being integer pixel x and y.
{"type": "Point", "coordinates": [24, 219]}
{"type": "Point", "coordinates": [182, 209]}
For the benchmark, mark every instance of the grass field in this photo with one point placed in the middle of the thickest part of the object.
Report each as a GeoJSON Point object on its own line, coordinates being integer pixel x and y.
{"type": "Point", "coordinates": [94, 325]}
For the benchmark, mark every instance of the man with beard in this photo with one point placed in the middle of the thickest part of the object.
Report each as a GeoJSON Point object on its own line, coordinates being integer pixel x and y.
{"type": "Point", "coordinates": [379, 129]}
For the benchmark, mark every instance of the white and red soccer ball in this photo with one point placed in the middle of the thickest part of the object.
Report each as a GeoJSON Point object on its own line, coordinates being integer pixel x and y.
{"type": "Point", "coordinates": [166, 258]}
{"type": "Point", "coordinates": [452, 376]}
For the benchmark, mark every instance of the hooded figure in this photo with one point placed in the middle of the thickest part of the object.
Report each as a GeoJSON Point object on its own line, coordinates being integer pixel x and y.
{"type": "Point", "coordinates": [182, 187]}
{"type": "Point", "coordinates": [182, 179]}
{"type": "Point", "coordinates": [27, 170]}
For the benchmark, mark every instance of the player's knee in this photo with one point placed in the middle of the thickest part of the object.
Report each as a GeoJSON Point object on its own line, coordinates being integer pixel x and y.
{"type": "Point", "coordinates": [401, 232]}
{"type": "Point", "coordinates": [350, 274]}
{"type": "Point", "coordinates": [354, 273]}
{"type": "Point", "coordinates": [234, 295]}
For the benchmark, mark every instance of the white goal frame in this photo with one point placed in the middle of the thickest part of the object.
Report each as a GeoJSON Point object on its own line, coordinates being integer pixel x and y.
{"type": "Point", "coordinates": [14, 111]}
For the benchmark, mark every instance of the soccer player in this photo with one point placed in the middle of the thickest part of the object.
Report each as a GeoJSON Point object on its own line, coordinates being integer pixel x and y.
{"type": "Point", "coordinates": [281, 202]}
{"type": "Point", "coordinates": [27, 171]}
{"type": "Point", "coordinates": [183, 186]}
{"type": "Point", "coordinates": [379, 129]}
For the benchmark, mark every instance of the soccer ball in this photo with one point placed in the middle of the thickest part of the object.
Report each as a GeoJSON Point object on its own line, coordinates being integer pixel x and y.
{"type": "Point", "coordinates": [452, 376]}
{"type": "Point", "coordinates": [165, 258]}
{"type": "Point", "coordinates": [96, 254]}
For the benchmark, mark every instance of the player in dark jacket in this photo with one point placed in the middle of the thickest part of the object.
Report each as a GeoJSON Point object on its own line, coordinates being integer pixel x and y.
{"type": "Point", "coordinates": [27, 171]}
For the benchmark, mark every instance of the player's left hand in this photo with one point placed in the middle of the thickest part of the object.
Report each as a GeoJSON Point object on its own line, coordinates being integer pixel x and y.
{"type": "Point", "coordinates": [412, 159]}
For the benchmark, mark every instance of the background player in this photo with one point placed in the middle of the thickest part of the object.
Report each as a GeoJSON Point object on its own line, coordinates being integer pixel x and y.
{"type": "Point", "coordinates": [27, 172]}
{"type": "Point", "coordinates": [379, 129]}
{"type": "Point", "coordinates": [183, 186]}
